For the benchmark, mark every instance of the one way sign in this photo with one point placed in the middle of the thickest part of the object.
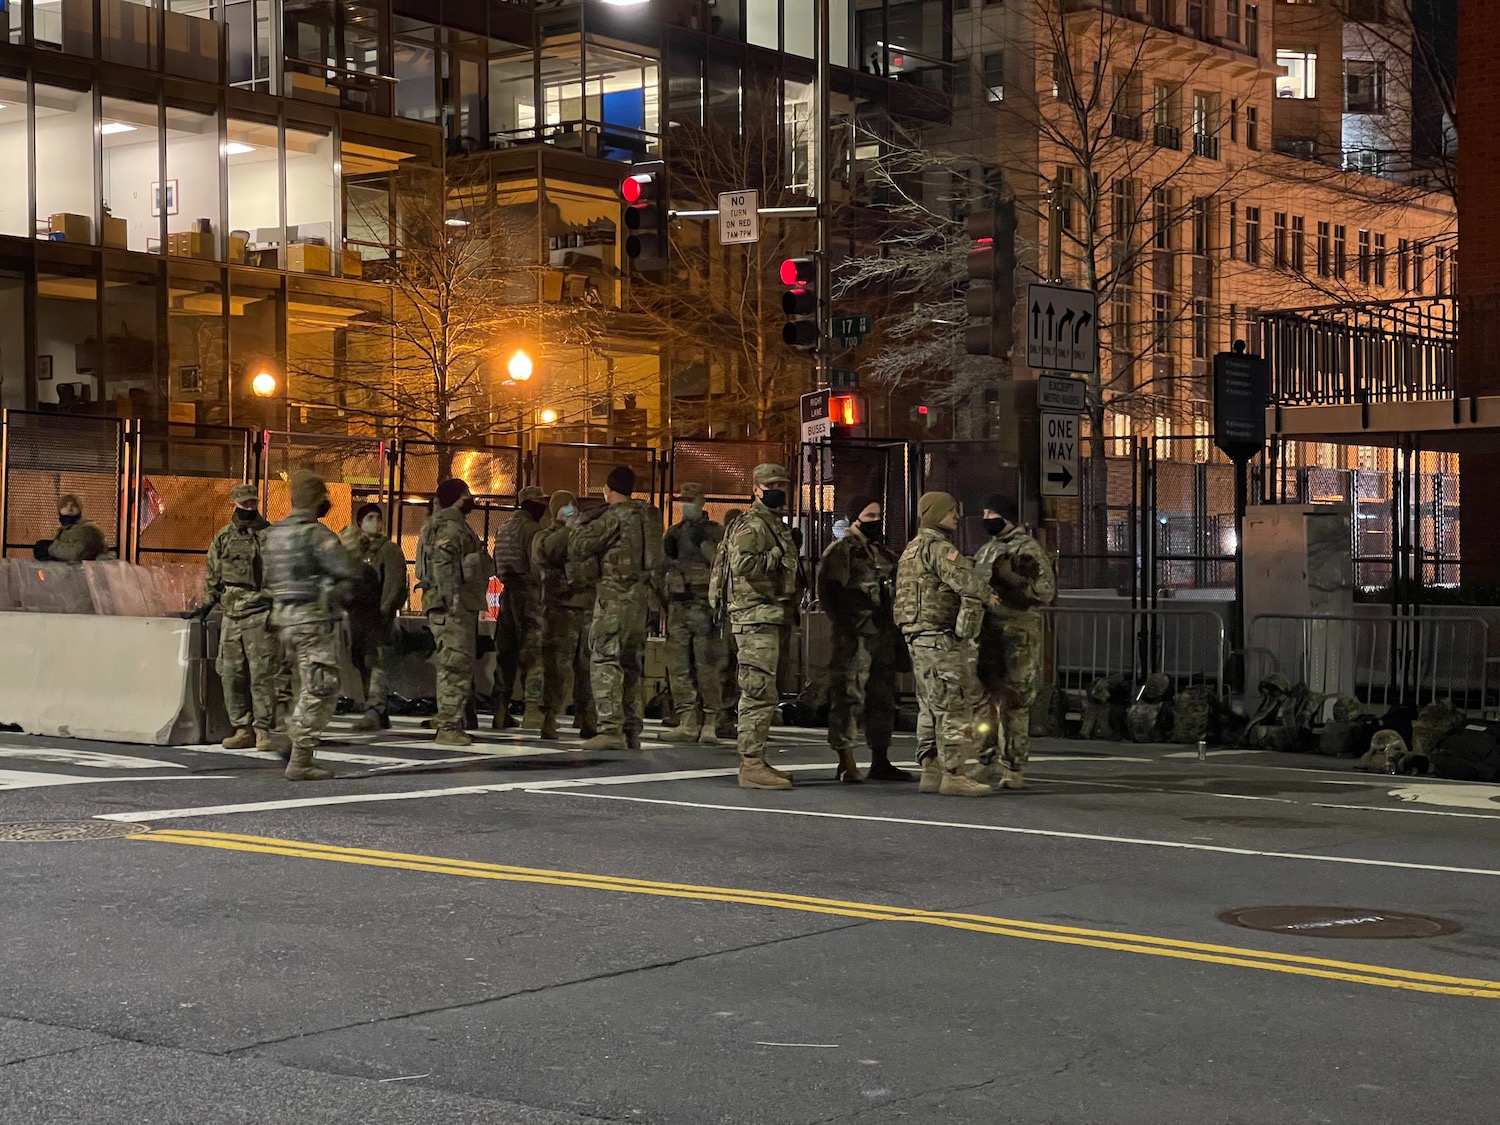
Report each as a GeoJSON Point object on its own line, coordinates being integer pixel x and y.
{"type": "Point", "coordinates": [1061, 329]}
{"type": "Point", "coordinates": [1059, 455]}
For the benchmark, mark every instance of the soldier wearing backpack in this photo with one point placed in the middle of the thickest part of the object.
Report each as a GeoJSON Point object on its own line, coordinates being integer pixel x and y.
{"type": "Point", "coordinates": [453, 573]}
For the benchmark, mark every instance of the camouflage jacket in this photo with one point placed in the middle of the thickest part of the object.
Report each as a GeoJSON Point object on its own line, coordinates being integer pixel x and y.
{"type": "Point", "coordinates": [83, 542]}
{"type": "Point", "coordinates": [688, 550]}
{"type": "Point", "coordinates": [385, 558]}
{"type": "Point", "coordinates": [763, 577]}
{"type": "Point", "coordinates": [561, 584]}
{"type": "Point", "coordinates": [937, 590]}
{"type": "Point", "coordinates": [307, 570]}
{"type": "Point", "coordinates": [453, 572]}
{"type": "Point", "coordinates": [625, 538]}
{"type": "Point", "coordinates": [512, 551]}
{"type": "Point", "coordinates": [235, 577]}
{"type": "Point", "coordinates": [1017, 569]}
{"type": "Point", "coordinates": [854, 585]}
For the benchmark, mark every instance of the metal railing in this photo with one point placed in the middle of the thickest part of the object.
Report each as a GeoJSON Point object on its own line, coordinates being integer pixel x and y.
{"type": "Point", "coordinates": [1088, 643]}
{"type": "Point", "coordinates": [1380, 659]}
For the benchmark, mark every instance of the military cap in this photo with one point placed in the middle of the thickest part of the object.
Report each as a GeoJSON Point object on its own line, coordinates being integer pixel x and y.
{"type": "Point", "coordinates": [529, 493]}
{"type": "Point", "coordinates": [243, 494]}
{"type": "Point", "coordinates": [691, 492]}
{"type": "Point", "coordinates": [771, 474]}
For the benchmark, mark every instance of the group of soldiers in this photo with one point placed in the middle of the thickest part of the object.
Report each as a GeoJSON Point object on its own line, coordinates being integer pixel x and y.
{"type": "Point", "coordinates": [571, 624]}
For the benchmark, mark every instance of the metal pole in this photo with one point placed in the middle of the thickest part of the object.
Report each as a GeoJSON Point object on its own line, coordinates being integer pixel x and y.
{"type": "Point", "coordinates": [825, 182]}
{"type": "Point", "coordinates": [1237, 620]}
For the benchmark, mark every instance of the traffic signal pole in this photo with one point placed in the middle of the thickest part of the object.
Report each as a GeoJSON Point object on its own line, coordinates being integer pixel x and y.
{"type": "Point", "coordinates": [825, 191]}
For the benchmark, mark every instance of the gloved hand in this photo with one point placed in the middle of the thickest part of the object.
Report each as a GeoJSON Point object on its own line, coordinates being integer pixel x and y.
{"type": "Point", "coordinates": [199, 614]}
{"type": "Point", "coordinates": [42, 550]}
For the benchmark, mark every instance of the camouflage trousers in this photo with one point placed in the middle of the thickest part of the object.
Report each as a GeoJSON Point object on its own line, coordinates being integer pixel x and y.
{"type": "Point", "coordinates": [249, 666]}
{"type": "Point", "coordinates": [314, 649]}
{"type": "Point", "coordinates": [949, 694]}
{"type": "Point", "coordinates": [617, 649]}
{"type": "Point", "coordinates": [1010, 669]}
{"type": "Point", "coordinates": [565, 662]}
{"type": "Point", "coordinates": [862, 689]}
{"type": "Point", "coordinates": [518, 629]}
{"type": "Point", "coordinates": [456, 634]}
{"type": "Point", "coordinates": [377, 676]}
{"type": "Point", "coordinates": [695, 660]}
{"type": "Point", "coordinates": [759, 648]}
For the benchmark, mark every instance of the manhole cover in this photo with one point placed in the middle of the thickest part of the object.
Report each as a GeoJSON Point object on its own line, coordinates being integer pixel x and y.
{"type": "Point", "coordinates": [1339, 922]}
{"type": "Point", "coordinates": [53, 831]}
{"type": "Point", "coordinates": [1259, 822]}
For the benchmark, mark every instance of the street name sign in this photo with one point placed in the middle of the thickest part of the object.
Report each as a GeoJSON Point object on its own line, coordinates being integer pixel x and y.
{"type": "Point", "coordinates": [1061, 329]}
{"type": "Point", "coordinates": [739, 217]}
{"type": "Point", "coordinates": [1056, 393]}
{"type": "Point", "coordinates": [1059, 454]}
{"type": "Point", "coordinates": [1241, 386]}
{"type": "Point", "coordinates": [816, 424]}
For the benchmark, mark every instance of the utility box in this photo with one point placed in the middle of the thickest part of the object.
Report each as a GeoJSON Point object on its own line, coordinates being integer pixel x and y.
{"type": "Point", "coordinates": [1299, 595]}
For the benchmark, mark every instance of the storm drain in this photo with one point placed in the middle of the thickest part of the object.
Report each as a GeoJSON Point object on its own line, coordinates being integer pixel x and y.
{"type": "Point", "coordinates": [1339, 922]}
{"type": "Point", "coordinates": [58, 831]}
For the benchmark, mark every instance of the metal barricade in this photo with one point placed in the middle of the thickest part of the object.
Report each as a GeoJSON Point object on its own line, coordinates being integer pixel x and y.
{"type": "Point", "coordinates": [582, 469]}
{"type": "Point", "coordinates": [1088, 643]}
{"type": "Point", "coordinates": [181, 477]}
{"type": "Point", "coordinates": [1380, 658]}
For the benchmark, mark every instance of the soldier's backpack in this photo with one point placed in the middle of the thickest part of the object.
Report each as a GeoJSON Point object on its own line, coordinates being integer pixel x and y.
{"type": "Point", "coordinates": [1150, 716]}
{"type": "Point", "coordinates": [1470, 753]}
{"type": "Point", "coordinates": [1436, 721]}
{"type": "Point", "coordinates": [1195, 715]}
{"type": "Point", "coordinates": [1104, 711]}
{"type": "Point", "coordinates": [719, 582]}
{"type": "Point", "coordinates": [1347, 734]}
{"type": "Point", "coordinates": [1388, 753]}
{"type": "Point", "coordinates": [1049, 714]}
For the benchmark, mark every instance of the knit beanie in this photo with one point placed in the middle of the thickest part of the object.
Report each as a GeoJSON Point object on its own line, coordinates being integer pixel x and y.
{"type": "Point", "coordinates": [621, 479]}
{"type": "Point", "coordinates": [366, 510]}
{"type": "Point", "coordinates": [1002, 505]}
{"type": "Point", "coordinates": [449, 492]}
{"type": "Point", "coordinates": [560, 500]}
{"type": "Point", "coordinates": [858, 503]}
{"type": "Point", "coordinates": [933, 506]}
{"type": "Point", "coordinates": [308, 490]}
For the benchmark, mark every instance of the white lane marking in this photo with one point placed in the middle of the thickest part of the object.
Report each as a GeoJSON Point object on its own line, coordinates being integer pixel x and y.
{"type": "Point", "coordinates": [91, 759]}
{"type": "Point", "coordinates": [1053, 833]}
{"type": "Point", "coordinates": [24, 779]}
{"type": "Point", "coordinates": [1413, 812]}
{"type": "Point", "coordinates": [1212, 753]}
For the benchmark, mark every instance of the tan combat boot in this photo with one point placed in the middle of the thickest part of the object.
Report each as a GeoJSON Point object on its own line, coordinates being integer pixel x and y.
{"type": "Point", "coordinates": [242, 739]}
{"type": "Point", "coordinates": [688, 729]}
{"type": "Point", "coordinates": [532, 719]}
{"type": "Point", "coordinates": [848, 771]}
{"type": "Point", "coordinates": [1012, 778]}
{"type": "Point", "coordinates": [932, 776]}
{"type": "Point", "coordinates": [709, 735]}
{"type": "Point", "coordinates": [446, 737]}
{"type": "Point", "coordinates": [957, 785]}
{"type": "Point", "coordinates": [550, 730]}
{"type": "Point", "coordinates": [301, 767]}
{"type": "Point", "coordinates": [606, 741]}
{"type": "Point", "coordinates": [755, 774]}
{"type": "Point", "coordinates": [273, 742]}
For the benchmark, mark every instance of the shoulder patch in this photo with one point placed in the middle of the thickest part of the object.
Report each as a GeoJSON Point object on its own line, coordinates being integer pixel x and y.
{"type": "Point", "coordinates": [952, 554]}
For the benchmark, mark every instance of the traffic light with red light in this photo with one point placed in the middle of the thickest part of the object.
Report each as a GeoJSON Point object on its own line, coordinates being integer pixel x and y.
{"type": "Point", "coordinates": [647, 214]}
{"type": "Point", "coordinates": [800, 303]}
{"type": "Point", "coordinates": [991, 297]}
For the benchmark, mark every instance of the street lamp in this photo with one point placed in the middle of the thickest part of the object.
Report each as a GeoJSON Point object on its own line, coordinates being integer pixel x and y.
{"type": "Point", "coordinates": [546, 416]}
{"type": "Point", "coordinates": [263, 384]}
{"type": "Point", "coordinates": [520, 366]}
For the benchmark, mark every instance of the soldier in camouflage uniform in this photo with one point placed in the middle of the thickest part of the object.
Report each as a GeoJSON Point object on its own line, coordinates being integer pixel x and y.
{"type": "Point", "coordinates": [365, 539]}
{"type": "Point", "coordinates": [77, 539]}
{"type": "Point", "coordinates": [1010, 646]}
{"type": "Point", "coordinates": [854, 589]}
{"type": "Point", "coordinates": [249, 649]}
{"type": "Point", "coordinates": [307, 572]}
{"type": "Point", "coordinates": [625, 541]}
{"type": "Point", "coordinates": [519, 622]}
{"type": "Point", "coordinates": [453, 573]}
{"type": "Point", "coordinates": [568, 591]}
{"type": "Point", "coordinates": [940, 606]}
{"type": "Point", "coordinates": [695, 641]}
{"type": "Point", "coordinates": [756, 580]}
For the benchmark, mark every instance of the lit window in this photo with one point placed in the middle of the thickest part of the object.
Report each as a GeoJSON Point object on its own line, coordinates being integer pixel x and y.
{"type": "Point", "coordinates": [1299, 79]}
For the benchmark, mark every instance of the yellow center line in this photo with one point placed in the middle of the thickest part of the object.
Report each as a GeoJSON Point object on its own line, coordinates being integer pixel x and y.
{"type": "Point", "coordinates": [1144, 944]}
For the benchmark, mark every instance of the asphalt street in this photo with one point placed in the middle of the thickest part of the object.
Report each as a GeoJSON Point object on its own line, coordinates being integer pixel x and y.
{"type": "Point", "coordinates": [523, 933]}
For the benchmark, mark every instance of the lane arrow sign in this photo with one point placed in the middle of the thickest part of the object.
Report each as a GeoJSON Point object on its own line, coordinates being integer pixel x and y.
{"type": "Point", "coordinates": [1061, 477]}
{"type": "Point", "coordinates": [1083, 319]}
{"type": "Point", "coordinates": [1062, 325]}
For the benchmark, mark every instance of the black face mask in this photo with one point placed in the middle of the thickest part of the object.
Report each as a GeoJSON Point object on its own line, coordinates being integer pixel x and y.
{"type": "Point", "coordinates": [873, 530]}
{"type": "Point", "coordinates": [324, 507]}
{"type": "Point", "coordinates": [246, 515]}
{"type": "Point", "coordinates": [997, 525]}
{"type": "Point", "coordinates": [773, 498]}
{"type": "Point", "coordinates": [466, 505]}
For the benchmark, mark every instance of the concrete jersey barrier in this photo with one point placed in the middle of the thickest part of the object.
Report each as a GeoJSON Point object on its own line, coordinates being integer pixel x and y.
{"type": "Point", "coordinates": [112, 679]}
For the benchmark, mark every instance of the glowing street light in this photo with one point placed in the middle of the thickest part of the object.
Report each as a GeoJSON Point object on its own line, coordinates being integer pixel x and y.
{"type": "Point", "coordinates": [520, 366]}
{"type": "Point", "coordinates": [263, 384]}
{"type": "Point", "coordinates": [546, 416]}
